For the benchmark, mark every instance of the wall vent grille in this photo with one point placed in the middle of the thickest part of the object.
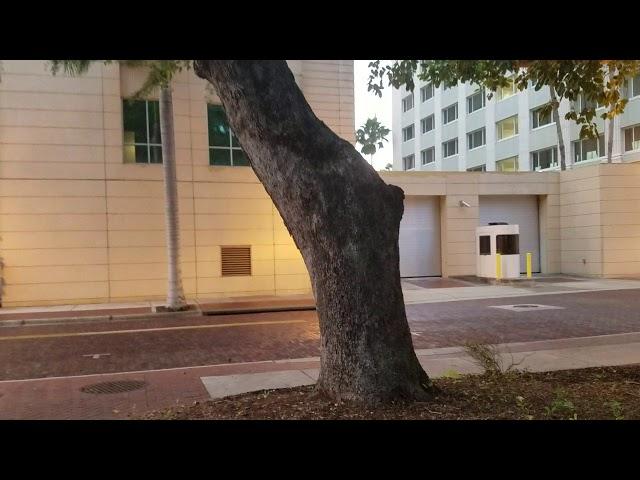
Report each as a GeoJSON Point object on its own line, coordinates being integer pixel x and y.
{"type": "Point", "coordinates": [235, 260]}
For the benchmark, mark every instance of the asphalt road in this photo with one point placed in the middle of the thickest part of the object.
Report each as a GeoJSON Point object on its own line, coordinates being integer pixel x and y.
{"type": "Point", "coordinates": [169, 342]}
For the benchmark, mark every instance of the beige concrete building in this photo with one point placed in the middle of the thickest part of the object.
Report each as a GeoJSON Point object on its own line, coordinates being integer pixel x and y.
{"type": "Point", "coordinates": [81, 197]}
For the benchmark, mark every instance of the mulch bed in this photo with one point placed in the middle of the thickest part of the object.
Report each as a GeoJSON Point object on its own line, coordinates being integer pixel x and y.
{"type": "Point", "coordinates": [611, 393]}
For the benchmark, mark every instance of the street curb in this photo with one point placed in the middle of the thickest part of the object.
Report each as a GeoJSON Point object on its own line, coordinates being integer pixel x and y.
{"type": "Point", "coordinates": [241, 310]}
{"type": "Point", "coordinates": [197, 311]}
{"type": "Point", "coordinates": [94, 318]}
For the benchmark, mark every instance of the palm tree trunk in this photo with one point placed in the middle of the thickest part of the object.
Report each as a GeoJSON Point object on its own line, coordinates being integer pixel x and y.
{"type": "Point", "coordinates": [556, 118]}
{"type": "Point", "coordinates": [175, 293]}
{"type": "Point", "coordinates": [324, 190]}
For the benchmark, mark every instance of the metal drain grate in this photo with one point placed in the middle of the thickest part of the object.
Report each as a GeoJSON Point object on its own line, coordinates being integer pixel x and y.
{"type": "Point", "coordinates": [113, 387]}
{"type": "Point", "coordinates": [526, 306]}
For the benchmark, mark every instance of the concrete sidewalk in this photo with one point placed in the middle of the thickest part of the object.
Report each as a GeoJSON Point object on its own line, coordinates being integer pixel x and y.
{"type": "Point", "coordinates": [543, 356]}
{"type": "Point", "coordinates": [107, 311]}
{"type": "Point", "coordinates": [563, 285]}
{"type": "Point", "coordinates": [413, 294]}
{"type": "Point", "coordinates": [62, 398]}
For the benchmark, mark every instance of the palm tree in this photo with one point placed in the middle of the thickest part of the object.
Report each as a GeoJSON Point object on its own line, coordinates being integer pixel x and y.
{"type": "Point", "coordinates": [160, 74]}
{"type": "Point", "coordinates": [175, 292]}
{"type": "Point", "coordinates": [370, 136]}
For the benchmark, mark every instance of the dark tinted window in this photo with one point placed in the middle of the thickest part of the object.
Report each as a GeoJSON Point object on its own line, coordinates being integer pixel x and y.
{"type": "Point", "coordinates": [485, 245]}
{"type": "Point", "coordinates": [507, 244]}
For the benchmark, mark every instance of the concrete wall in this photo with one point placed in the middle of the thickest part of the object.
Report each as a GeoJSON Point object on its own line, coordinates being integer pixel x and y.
{"type": "Point", "coordinates": [458, 225]}
{"type": "Point", "coordinates": [600, 220]}
{"type": "Point", "coordinates": [78, 225]}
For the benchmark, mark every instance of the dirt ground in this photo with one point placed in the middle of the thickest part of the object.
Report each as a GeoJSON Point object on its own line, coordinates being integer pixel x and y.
{"type": "Point", "coordinates": [611, 393]}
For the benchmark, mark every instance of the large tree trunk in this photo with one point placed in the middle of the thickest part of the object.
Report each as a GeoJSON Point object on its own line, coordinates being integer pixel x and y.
{"type": "Point", "coordinates": [175, 294]}
{"type": "Point", "coordinates": [555, 105]}
{"type": "Point", "coordinates": [345, 221]}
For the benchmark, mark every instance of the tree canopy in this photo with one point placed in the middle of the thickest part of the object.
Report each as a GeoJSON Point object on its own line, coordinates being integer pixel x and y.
{"type": "Point", "coordinates": [601, 82]}
{"type": "Point", "coordinates": [371, 136]}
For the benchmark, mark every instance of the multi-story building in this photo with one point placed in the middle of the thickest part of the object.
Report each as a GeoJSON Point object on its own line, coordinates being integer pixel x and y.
{"type": "Point", "coordinates": [459, 129]}
{"type": "Point", "coordinates": [82, 197]}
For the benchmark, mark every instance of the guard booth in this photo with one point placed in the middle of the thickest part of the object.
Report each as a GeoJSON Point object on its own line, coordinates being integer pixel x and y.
{"type": "Point", "coordinates": [498, 250]}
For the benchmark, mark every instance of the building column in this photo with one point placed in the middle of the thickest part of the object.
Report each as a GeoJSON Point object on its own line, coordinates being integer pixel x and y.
{"type": "Point", "coordinates": [490, 126]}
{"type": "Point", "coordinates": [524, 158]}
{"type": "Point", "coordinates": [437, 123]}
{"type": "Point", "coordinates": [462, 127]}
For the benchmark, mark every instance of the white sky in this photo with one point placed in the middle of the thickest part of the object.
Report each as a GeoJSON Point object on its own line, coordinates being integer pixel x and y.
{"type": "Point", "coordinates": [368, 105]}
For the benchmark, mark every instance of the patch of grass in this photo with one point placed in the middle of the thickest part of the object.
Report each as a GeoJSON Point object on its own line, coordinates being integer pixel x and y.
{"type": "Point", "coordinates": [488, 357]}
{"type": "Point", "coordinates": [561, 406]}
{"type": "Point", "coordinates": [616, 409]}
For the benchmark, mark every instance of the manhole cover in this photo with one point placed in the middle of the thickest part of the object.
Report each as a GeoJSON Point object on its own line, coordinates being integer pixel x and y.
{"type": "Point", "coordinates": [526, 306]}
{"type": "Point", "coordinates": [113, 387]}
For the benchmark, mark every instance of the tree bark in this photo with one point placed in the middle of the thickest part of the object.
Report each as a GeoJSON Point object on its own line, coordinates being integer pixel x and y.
{"type": "Point", "coordinates": [556, 118]}
{"type": "Point", "coordinates": [175, 293]}
{"type": "Point", "coordinates": [345, 221]}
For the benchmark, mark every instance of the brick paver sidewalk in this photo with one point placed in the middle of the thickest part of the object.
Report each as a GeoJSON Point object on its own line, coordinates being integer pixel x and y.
{"type": "Point", "coordinates": [62, 398]}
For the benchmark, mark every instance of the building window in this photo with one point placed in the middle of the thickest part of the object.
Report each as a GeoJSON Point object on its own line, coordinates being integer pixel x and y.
{"type": "Point", "coordinates": [141, 135]}
{"type": "Point", "coordinates": [633, 87]}
{"type": "Point", "coordinates": [407, 103]}
{"type": "Point", "coordinates": [479, 168]}
{"type": "Point", "coordinates": [408, 133]}
{"type": "Point", "coordinates": [428, 155]}
{"type": "Point", "coordinates": [409, 162]}
{"type": "Point", "coordinates": [476, 139]}
{"type": "Point", "coordinates": [507, 91]}
{"type": "Point", "coordinates": [426, 92]}
{"type": "Point", "coordinates": [588, 149]}
{"type": "Point", "coordinates": [508, 244]}
{"type": "Point", "coordinates": [507, 128]}
{"type": "Point", "coordinates": [543, 159]}
{"type": "Point", "coordinates": [507, 165]}
{"type": "Point", "coordinates": [224, 148]}
{"type": "Point", "coordinates": [427, 123]}
{"type": "Point", "coordinates": [632, 138]}
{"type": "Point", "coordinates": [450, 113]}
{"type": "Point", "coordinates": [450, 148]}
{"type": "Point", "coordinates": [476, 101]}
{"type": "Point", "coordinates": [540, 117]}
{"type": "Point", "coordinates": [485, 245]}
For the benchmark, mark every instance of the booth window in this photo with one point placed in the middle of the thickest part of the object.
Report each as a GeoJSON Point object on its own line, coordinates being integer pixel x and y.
{"type": "Point", "coordinates": [507, 244]}
{"type": "Point", "coordinates": [485, 245]}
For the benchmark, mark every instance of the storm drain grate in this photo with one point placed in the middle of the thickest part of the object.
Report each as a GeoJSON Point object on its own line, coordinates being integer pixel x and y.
{"type": "Point", "coordinates": [113, 387]}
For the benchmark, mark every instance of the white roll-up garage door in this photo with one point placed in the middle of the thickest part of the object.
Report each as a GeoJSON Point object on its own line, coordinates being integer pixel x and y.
{"type": "Point", "coordinates": [519, 210]}
{"type": "Point", "coordinates": [420, 237]}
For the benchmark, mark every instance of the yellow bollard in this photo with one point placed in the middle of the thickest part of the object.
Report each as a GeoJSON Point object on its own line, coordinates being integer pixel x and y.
{"type": "Point", "coordinates": [528, 264]}
{"type": "Point", "coordinates": [498, 266]}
